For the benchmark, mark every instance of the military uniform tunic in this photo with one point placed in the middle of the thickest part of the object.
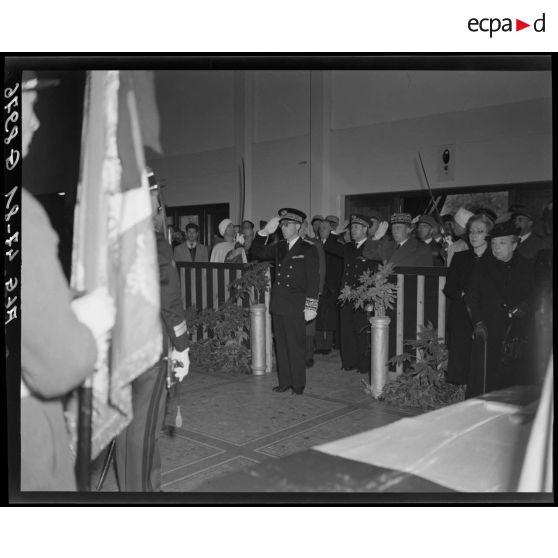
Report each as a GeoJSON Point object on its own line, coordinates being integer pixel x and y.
{"type": "Point", "coordinates": [354, 334]}
{"type": "Point", "coordinates": [295, 289]}
{"type": "Point", "coordinates": [138, 461]}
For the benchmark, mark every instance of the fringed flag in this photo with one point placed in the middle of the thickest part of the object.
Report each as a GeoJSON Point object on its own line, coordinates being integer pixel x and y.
{"type": "Point", "coordinates": [114, 246]}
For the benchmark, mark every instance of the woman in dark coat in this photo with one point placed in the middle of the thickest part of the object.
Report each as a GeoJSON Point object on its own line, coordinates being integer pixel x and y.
{"type": "Point", "coordinates": [499, 297]}
{"type": "Point", "coordinates": [459, 325]}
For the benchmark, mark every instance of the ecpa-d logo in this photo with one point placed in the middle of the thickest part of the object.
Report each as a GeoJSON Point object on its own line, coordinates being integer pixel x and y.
{"type": "Point", "coordinates": [495, 24]}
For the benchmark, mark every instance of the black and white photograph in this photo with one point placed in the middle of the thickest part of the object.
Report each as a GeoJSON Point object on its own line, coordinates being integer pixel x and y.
{"type": "Point", "coordinates": [279, 278]}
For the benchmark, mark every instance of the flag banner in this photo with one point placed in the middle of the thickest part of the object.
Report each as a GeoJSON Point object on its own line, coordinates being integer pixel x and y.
{"type": "Point", "coordinates": [114, 246]}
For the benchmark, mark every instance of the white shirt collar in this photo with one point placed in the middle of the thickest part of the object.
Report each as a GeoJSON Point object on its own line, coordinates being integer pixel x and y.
{"type": "Point", "coordinates": [428, 240]}
{"type": "Point", "coordinates": [190, 245]}
{"type": "Point", "coordinates": [292, 241]}
{"type": "Point", "coordinates": [361, 242]}
{"type": "Point", "coordinates": [403, 242]}
{"type": "Point", "coordinates": [525, 236]}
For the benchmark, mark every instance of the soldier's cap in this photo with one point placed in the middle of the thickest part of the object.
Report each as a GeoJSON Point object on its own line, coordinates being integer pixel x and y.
{"type": "Point", "coordinates": [375, 215]}
{"type": "Point", "coordinates": [290, 214]}
{"type": "Point", "coordinates": [521, 211]}
{"type": "Point", "coordinates": [316, 218]}
{"type": "Point", "coordinates": [488, 212]}
{"type": "Point", "coordinates": [404, 218]}
{"type": "Point", "coordinates": [359, 219]}
{"type": "Point", "coordinates": [504, 229]}
{"type": "Point", "coordinates": [333, 220]}
{"type": "Point", "coordinates": [462, 216]}
{"type": "Point", "coordinates": [31, 82]}
{"type": "Point", "coordinates": [428, 220]}
{"type": "Point", "coordinates": [192, 225]}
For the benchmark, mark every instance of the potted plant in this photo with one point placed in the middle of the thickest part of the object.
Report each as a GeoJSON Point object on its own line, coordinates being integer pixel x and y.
{"type": "Point", "coordinates": [375, 294]}
{"type": "Point", "coordinates": [253, 284]}
{"type": "Point", "coordinates": [423, 384]}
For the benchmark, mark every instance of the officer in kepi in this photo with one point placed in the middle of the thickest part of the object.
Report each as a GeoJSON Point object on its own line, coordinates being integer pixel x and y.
{"type": "Point", "coordinates": [294, 294]}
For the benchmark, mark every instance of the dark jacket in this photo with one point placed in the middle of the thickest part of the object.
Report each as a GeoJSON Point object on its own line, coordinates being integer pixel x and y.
{"type": "Point", "coordinates": [328, 310]}
{"type": "Point", "coordinates": [413, 253]}
{"type": "Point", "coordinates": [531, 246]}
{"type": "Point", "coordinates": [182, 253]}
{"type": "Point", "coordinates": [437, 250]}
{"type": "Point", "coordinates": [172, 311]}
{"type": "Point", "coordinates": [297, 279]}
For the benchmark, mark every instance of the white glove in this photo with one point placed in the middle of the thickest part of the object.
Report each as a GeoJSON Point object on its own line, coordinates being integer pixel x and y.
{"type": "Point", "coordinates": [414, 220]}
{"type": "Point", "coordinates": [271, 227]}
{"type": "Point", "coordinates": [239, 239]}
{"type": "Point", "coordinates": [97, 311]}
{"type": "Point", "coordinates": [309, 315]}
{"type": "Point", "coordinates": [180, 372]}
{"type": "Point", "coordinates": [382, 230]}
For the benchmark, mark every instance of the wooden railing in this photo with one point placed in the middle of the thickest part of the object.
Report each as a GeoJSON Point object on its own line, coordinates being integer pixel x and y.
{"type": "Point", "coordinates": [420, 297]}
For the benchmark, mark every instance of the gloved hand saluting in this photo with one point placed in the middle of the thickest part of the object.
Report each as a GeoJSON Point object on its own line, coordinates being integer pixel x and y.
{"type": "Point", "coordinates": [239, 239]}
{"type": "Point", "coordinates": [182, 357]}
{"type": "Point", "coordinates": [271, 227]}
{"type": "Point", "coordinates": [382, 230]}
{"type": "Point", "coordinates": [97, 311]}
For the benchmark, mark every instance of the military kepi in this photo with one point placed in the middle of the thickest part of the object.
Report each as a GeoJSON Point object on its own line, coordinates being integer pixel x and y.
{"type": "Point", "coordinates": [359, 220]}
{"type": "Point", "coordinates": [290, 214]}
{"type": "Point", "coordinates": [404, 218]}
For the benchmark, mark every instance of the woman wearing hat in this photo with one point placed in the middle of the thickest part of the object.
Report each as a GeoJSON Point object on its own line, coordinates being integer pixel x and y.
{"type": "Point", "coordinates": [498, 298]}
{"type": "Point", "coordinates": [231, 249]}
{"type": "Point", "coordinates": [459, 326]}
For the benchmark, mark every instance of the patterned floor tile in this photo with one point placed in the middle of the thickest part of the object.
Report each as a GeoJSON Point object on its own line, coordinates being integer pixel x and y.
{"type": "Point", "coordinates": [178, 451]}
{"type": "Point", "coordinates": [191, 482]}
{"type": "Point", "coordinates": [353, 422]}
{"type": "Point", "coordinates": [242, 412]}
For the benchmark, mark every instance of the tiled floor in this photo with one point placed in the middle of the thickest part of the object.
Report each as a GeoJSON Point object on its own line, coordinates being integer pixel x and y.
{"type": "Point", "coordinates": [232, 422]}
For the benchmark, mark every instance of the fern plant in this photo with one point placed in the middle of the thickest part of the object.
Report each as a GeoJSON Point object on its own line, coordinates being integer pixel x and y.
{"type": "Point", "coordinates": [374, 293]}
{"type": "Point", "coordinates": [423, 384]}
{"type": "Point", "coordinates": [253, 283]}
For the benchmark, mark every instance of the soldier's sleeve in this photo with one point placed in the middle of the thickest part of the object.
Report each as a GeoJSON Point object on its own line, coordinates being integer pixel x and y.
{"type": "Point", "coordinates": [260, 250]}
{"type": "Point", "coordinates": [334, 246]}
{"type": "Point", "coordinates": [172, 311]}
{"type": "Point", "coordinates": [312, 268]}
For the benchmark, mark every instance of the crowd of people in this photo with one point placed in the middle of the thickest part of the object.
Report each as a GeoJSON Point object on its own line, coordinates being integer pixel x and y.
{"type": "Point", "coordinates": [498, 286]}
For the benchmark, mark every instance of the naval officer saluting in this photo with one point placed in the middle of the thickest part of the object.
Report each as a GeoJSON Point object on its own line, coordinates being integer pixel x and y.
{"type": "Point", "coordinates": [294, 294]}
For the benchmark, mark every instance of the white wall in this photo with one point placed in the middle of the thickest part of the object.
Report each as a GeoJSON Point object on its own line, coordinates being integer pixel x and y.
{"type": "Point", "coordinates": [360, 133]}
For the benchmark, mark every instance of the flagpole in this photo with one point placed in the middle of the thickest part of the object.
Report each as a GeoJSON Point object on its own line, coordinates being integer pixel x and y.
{"type": "Point", "coordinates": [85, 391]}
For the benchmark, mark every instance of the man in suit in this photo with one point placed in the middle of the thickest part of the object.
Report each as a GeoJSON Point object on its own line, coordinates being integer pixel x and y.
{"type": "Point", "coordinates": [294, 294]}
{"type": "Point", "coordinates": [327, 322]}
{"type": "Point", "coordinates": [311, 326]}
{"type": "Point", "coordinates": [426, 228]}
{"type": "Point", "coordinates": [191, 250]}
{"type": "Point", "coordinates": [353, 322]}
{"type": "Point", "coordinates": [403, 250]}
{"type": "Point", "coordinates": [530, 244]}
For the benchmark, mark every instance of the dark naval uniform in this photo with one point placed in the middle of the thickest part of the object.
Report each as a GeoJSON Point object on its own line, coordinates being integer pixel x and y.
{"type": "Point", "coordinates": [295, 289]}
{"type": "Point", "coordinates": [138, 461]}
{"type": "Point", "coordinates": [355, 352]}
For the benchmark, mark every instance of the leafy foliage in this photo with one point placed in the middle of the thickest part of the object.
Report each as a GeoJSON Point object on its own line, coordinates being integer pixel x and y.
{"type": "Point", "coordinates": [423, 384]}
{"type": "Point", "coordinates": [253, 283]}
{"type": "Point", "coordinates": [225, 349]}
{"type": "Point", "coordinates": [374, 293]}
